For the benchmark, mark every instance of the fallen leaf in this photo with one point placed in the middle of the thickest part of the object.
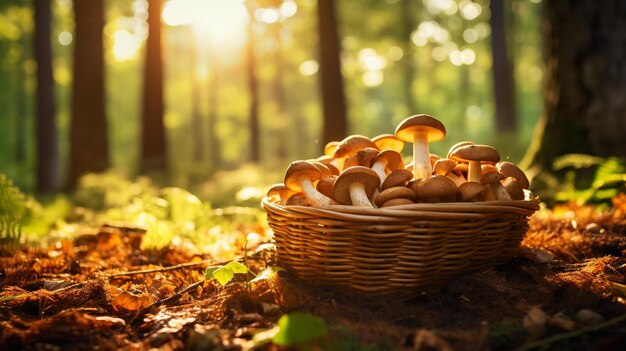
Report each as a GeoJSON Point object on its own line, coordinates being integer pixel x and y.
{"type": "Point", "coordinates": [128, 301]}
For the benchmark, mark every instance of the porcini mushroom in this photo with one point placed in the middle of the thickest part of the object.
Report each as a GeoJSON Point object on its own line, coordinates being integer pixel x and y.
{"type": "Point", "coordinates": [280, 191]}
{"type": "Point", "coordinates": [352, 144]}
{"type": "Point", "coordinates": [514, 188]}
{"type": "Point", "coordinates": [394, 193]}
{"type": "Point", "coordinates": [475, 155]}
{"type": "Point", "coordinates": [399, 177]}
{"type": "Point", "coordinates": [493, 189]}
{"type": "Point", "coordinates": [325, 185]}
{"type": "Point", "coordinates": [421, 130]}
{"type": "Point", "coordinates": [397, 202]}
{"type": "Point", "coordinates": [458, 145]}
{"type": "Point", "coordinates": [436, 188]}
{"type": "Point", "coordinates": [510, 170]}
{"type": "Point", "coordinates": [355, 185]}
{"type": "Point", "coordinates": [386, 160]}
{"type": "Point", "coordinates": [363, 157]}
{"type": "Point", "coordinates": [445, 167]}
{"type": "Point", "coordinates": [469, 190]}
{"type": "Point", "coordinates": [329, 148]}
{"type": "Point", "coordinates": [388, 142]}
{"type": "Point", "coordinates": [300, 176]}
{"type": "Point", "coordinates": [297, 200]}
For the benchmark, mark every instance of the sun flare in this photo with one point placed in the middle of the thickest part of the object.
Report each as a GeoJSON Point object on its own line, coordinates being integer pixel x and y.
{"type": "Point", "coordinates": [217, 22]}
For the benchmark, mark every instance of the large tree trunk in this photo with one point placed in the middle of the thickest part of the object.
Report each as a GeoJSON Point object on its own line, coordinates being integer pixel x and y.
{"type": "Point", "coordinates": [279, 96]}
{"type": "Point", "coordinates": [47, 151]}
{"type": "Point", "coordinates": [333, 100]}
{"type": "Point", "coordinates": [408, 26]}
{"type": "Point", "coordinates": [585, 105]}
{"type": "Point", "coordinates": [153, 145]}
{"type": "Point", "coordinates": [88, 127]}
{"type": "Point", "coordinates": [502, 71]}
{"type": "Point", "coordinates": [197, 132]}
{"type": "Point", "coordinates": [214, 143]}
{"type": "Point", "coordinates": [253, 90]}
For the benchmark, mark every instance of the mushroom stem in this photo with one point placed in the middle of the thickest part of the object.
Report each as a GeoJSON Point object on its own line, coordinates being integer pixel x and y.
{"type": "Point", "coordinates": [358, 195]}
{"type": "Point", "coordinates": [474, 173]}
{"type": "Point", "coordinates": [315, 197]}
{"type": "Point", "coordinates": [379, 168]}
{"type": "Point", "coordinates": [421, 156]}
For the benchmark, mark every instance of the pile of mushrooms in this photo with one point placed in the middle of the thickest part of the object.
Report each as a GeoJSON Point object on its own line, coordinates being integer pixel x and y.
{"type": "Point", "coordinates": [365, 172]}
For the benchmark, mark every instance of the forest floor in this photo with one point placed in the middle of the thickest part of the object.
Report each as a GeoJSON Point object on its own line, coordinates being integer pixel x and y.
{"type": "Point", "coordinates": [564, 291]}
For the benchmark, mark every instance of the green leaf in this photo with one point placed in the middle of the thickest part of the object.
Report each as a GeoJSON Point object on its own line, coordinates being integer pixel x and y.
{"type": "Point", "coordinates": [299, 328]}
{"type": "Point", "coordinates": [224, 274]}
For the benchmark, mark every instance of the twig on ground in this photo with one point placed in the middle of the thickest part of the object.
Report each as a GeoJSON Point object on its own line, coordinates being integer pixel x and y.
{"type": "Point", "coordinates": [170, 268]}
{"type": "Point", "coordinates": [167, 300]}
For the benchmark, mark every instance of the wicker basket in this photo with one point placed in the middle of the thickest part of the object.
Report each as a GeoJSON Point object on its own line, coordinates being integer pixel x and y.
{"type": "Point", "coordinates": [412, 247]}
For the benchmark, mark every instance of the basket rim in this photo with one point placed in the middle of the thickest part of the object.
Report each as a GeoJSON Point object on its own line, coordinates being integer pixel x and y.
{"type": "Point", "coordinates": [452, 210]}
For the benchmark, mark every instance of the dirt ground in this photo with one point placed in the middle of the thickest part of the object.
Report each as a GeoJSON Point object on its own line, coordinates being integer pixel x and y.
{"type": "Point", "coordinates": [564, 291]}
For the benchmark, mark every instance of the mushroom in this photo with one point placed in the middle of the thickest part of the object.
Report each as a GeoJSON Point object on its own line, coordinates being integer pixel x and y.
{"type": "Point", "coordinates": [351, 145]}
{"type": "Point", "coordinates": [493, 189]}
{"type": "Point", "coordinates": [329, 148]}
{"type": "Point", "coordinates": [475, 155]}
{"type": "Point", "coordinates": [325, 185]}
{"type": "Point", "coordinates": [445, 167]}
{"type": "Point", "coordinates": [355, 185]}
{"type": "Point", "coordinates": [300, 177]}
{"type": "Point", "coordinates": [297, 200]}
{"type": "Point", "coordinates": [397, 202]}
{"type": "Point", "coordinates": [324, 170]}
{"type": "Point", "coordinates": [388, 142]}
{"type": "Point", "coordinates": [514, 188]}
{"type": "Point", "coordinates": [458, 145]}
{"type": "Point", "coordinates": [280, 191]}
{"type": "Point", "coordinates": [328, 162]}
{"type": "Point", "coordinates": [510, 170]}
{"type": "Point", "coordinates": [386, 160]}
{"type": "Point", "coordinates": [421, 130]}
{"type": "Point", "coordinates": [362, 158]}
{"type": "Point", "coordinates": [436, 188]}
{"type": "Point", "coordinates": [394, 193]}
{"type": "Point", "coordinates": [470, 190]}
{"type": "Point", "coordinates": [399, 177]}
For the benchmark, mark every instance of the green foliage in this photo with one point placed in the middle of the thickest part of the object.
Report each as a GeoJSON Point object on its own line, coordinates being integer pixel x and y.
{"type": "Point", "coordinates": [299, 328]}
{"type": "Point", "coordinates": [589, 178]}
{"type": "Point", "coordinates": [224, 274]}
{"type": "Point", "coordinates": [14, 212]}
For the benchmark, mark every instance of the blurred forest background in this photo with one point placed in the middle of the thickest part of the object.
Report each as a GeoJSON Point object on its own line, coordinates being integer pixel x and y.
{"type": "Point", "coordinates": [242, 82]}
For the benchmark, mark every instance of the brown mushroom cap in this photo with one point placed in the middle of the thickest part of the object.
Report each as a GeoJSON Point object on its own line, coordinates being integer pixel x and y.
{"type": "Point", "coordinates": [394, 193]}
{"type": "Point", "coordinates": [297, 200]}
{"type": "Point", "coordinates": [469, 190]}
{"type": "Point", "coordinates": [399, 177]}
{"type": "Point", "coordinates": [324, 170]}
{"type": "Point", "coordinates": [482, 153]}
{"type": "Point", "coordinates": [388, 142]}
{"type": "Point", "coordinates": [420, 123]}
{"type": "Point", "coordinates": [514, 188]}
{"type": "Point", "coordinates": [397, 202]}
{"type": "Point", "coordinates": [488, 168]}
{"type": "Point", "coordinates": [329, 149]}
{"type": "Point", "coordinates": [352, 144]}
{"type": "Point", "coordinates": [458, 145]}
{"type": "Point", "coordinates": [444, 166]}
{"type": "Point", "coordinates": [434, 186]}
{"type": "Point", "coordinates": [511, 170]}
{"type": "Point", "coordinates": [279, 190]}
{"type": "Point", "coordinates": [394, 159]}
{"type": "Point", "coordinates": [325, 185]}
{"type": "Point", "coordinates": [352, 175]}
{"type": "Point", "coordinates": [326, 160]}
{"type": "Point", "coordinates": [298, 169]}
{"type": "Point", "coordinates": [362, 158]}
{"type": "Point", "coordinates": [491, 177]}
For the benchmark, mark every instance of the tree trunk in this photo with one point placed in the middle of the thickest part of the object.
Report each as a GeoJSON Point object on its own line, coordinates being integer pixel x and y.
{"type": "Point", "coordinates": [88, 126]}
{"type": "Point", "coordinates": [214, 143]}
{"type": "Point", "coordinates": [253, 122]}
{"type": "Point", "coordinates": [47, 151]}
{"type": "Point", "coordinates": [408, 26]}
{"type": "Point", "coordinates": [197, 135]}
{"type": "Point", "coordinates": [153, 145]}
{"type": "Point", "coordinates": [585, 106]}
{"type": "Point", "coordinates": [279, 95]}
{"type": "Point", "coordinates": [333, 100]}
{"type": "Point", "coordinates": [503, 82]}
